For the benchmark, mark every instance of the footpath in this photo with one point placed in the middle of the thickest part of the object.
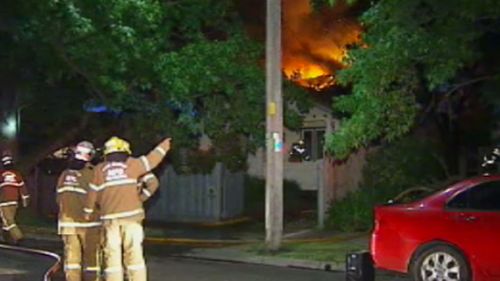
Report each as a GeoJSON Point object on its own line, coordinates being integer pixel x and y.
{"type": "Point", "coordinates": [241, 242]}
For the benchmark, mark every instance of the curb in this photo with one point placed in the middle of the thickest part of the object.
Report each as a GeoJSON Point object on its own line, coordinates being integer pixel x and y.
{"type": "Point", "coordinates": [270, 261]}
{"type": "Point", "coordinates": [327, 240]}
{"type": "Point", "coordinates": [211, 242]}
{"type": "Point", "coordinates": [250, 259]}
{"type": "Point", "coordinates": [196, 242]}
{"type": "Point", "coordinates": [235, 242]}
{"type": "Point", "coordinates": [226, 222]}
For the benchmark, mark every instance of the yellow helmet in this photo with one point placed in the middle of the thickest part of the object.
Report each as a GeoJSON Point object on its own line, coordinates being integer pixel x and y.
{"type": "Point", "coordinates": [116, 144]}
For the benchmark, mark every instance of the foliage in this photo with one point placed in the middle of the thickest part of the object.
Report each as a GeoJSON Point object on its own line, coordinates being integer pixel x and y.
{"type": "Point", "coordinates": [404, 164]}
{"type": "Point", "coordinates": [353, 213]}
{"type": "Point", "coordinates": [193, 161]}
{"type": "Point", "coordinates": [178, 68]}
{"type": "Point", "coordinates": [318, 4]}
{"type": "Point", "coordinates": [298, 102]}
{"type": "Point", "coordinates": [411, 48]}
{"type": "Point", "coordinates": [227, 149]}
{"type": "Point", "coordinates": [388, 171]}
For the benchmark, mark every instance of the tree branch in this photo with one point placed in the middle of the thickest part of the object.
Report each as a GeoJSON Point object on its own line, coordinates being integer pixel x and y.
{"type": "Point", "coordinates": [98, 31]}
{"type": "Point", "coordinates": [73, 66]}
{"type": "Point", "coordinates": [455, 88]}
{"type": "Point", "coordinates": [466, 83]}
{"type": "Point", "coordinates": [31, 162]}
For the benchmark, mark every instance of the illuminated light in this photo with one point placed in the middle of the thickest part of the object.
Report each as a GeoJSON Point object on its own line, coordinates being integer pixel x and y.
{"type": "Point", "coordinates": [9, 127]}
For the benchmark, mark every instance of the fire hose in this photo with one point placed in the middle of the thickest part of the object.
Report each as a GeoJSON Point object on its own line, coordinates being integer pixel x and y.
{"type": "Point", "coordinates": [48, 274]}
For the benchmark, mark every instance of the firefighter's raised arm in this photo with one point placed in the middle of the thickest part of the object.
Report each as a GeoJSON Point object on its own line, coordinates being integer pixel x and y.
{"type": "Point", "coordinates": [146, 163]}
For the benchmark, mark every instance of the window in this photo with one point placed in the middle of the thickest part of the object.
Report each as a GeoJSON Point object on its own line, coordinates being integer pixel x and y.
{"type": "Point", "coordinates": [314, 140]}
{"type": "Point", "coordinates": [484, 197]}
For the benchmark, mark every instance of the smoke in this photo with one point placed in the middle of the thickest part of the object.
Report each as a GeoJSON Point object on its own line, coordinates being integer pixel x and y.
{"type": "Point", "coordinates": [315, 42]}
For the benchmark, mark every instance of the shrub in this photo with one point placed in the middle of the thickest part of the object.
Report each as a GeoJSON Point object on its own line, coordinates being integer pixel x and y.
{"type": "Point", "coordinates": [388, 171]}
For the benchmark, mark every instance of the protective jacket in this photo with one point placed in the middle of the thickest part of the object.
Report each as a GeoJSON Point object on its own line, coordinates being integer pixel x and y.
{"type": "Point", "coordinates": [12, 188]}
{"type": "Point", "coordinates": [115, 186]}
{"type": "Point", "coordinates": [148, 184]}
{"type": "Point", "coordinates": [72, 190]}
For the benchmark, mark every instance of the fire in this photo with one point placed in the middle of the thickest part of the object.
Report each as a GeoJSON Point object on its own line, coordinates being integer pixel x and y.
{"type": "Point", "coordinates": [315, 43]}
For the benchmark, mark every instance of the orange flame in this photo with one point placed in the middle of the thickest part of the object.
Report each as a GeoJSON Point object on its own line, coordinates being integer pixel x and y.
{"type": "Point", "coordinates": [315, 43]}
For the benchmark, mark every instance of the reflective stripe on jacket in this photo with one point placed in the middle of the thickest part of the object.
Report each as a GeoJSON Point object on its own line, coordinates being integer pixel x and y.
{"type": "Point", "coordinates": [115, 186]}
{"type": "Point", "coordinates": [12, 188]}
{"type": "Point", "coordinates": [72, 190]}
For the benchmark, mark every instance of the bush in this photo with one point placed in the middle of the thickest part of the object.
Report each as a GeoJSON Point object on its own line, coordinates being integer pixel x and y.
{"type": "Point", "coordinates": [388, 171]}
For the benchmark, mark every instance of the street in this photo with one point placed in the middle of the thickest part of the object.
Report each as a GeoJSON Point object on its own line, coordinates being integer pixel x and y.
{"type": "Point", "coordinates": [164, 268]}
{"type": "Point", "coordinates": [18, 266]}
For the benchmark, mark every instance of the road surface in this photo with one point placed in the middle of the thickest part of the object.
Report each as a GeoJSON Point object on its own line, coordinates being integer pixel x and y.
{"type": "Point", "coordinates": [163, 267]}
{"type": "Point", "coordinates": [21, 266]}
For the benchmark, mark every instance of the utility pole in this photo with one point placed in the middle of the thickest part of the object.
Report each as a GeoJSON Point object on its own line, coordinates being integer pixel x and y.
{"type": "Point", "coordinates": [274, 127]}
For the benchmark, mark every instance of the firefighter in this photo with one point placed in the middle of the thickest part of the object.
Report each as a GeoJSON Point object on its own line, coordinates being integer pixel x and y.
{"type": "Point", "coordinates": [490, 160]}
{"type": "Point", "coordinates": [115, 189]}
{"type": "Point", "coordinates": [12, 191]}
{"type": "Point", "coordinates": [81, 237]}
{"type": "Point", "coordinates": [147, 186]}
{"type": "Point", "coordinates": [298, 152]}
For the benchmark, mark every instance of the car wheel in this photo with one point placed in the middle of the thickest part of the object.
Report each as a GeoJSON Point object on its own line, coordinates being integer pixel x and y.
{"type": "Point", "coordinates": [440, 263]}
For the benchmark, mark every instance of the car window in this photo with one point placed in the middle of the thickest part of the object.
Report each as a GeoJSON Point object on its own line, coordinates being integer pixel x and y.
{"type": "Point", "coordinates": [484, 197]}
{"type": "Point", "coordinates": [411, 195]}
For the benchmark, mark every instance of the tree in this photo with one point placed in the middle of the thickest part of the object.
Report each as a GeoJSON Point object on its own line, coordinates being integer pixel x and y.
{"type": "Point", "coordinates": [181, 68]}
{"type": "Point", "coordinates": [415, 56]}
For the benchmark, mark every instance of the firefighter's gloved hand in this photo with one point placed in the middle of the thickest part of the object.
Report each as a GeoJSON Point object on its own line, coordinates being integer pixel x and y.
{"type": "Point", "coordinates": [25, 202]}
{"type": "Point", "coordinates": [86, 217]}
{"type": "Point", "coordinates": [166, 144]}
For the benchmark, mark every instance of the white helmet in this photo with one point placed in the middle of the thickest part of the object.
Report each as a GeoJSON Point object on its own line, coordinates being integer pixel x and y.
{"type": "Point", "coordinates": [84, 151]}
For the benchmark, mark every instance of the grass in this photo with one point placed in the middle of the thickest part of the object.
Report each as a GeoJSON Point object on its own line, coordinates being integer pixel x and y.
{"type": "Point", "coordinates": [313, 251]}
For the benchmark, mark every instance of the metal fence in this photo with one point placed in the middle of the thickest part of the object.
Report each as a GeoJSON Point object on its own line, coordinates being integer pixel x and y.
{"type": "Point", "coordinates": [197, 198]}
{"type": "Point", "coordinates": [180, 198]}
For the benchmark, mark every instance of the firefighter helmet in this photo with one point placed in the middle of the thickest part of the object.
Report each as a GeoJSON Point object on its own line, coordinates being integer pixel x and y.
{"type": "Point", "coordinates": [496, 151]}
{"type": "Point", "coordinates": [84, 151]}
{"type": "Point", "coordinates": [116, 144]}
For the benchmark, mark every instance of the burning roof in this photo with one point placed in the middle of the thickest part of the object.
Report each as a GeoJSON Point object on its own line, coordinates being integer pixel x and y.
{"type": "Point", "coordinates": [315, 42]}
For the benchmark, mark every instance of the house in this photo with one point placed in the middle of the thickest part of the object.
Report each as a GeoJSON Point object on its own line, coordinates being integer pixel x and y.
{"type": "Point", "coordinates": [330, 178]}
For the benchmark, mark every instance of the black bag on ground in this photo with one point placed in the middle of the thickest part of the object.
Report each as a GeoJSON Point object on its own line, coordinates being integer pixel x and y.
{"type": "Point", "coordinates": [359, 267]}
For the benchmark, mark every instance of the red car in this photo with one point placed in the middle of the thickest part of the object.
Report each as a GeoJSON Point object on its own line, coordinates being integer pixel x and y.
{"type": "Point", "coordinates": [452, 234]}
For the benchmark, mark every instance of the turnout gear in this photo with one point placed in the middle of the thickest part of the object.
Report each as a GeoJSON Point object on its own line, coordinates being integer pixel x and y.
{"type": "Point", "coordinates": [7, 160]}
{"type": "Point", "coordinates": [119, 188]}
{"type": "Point", "coordinates": [81, 237]}
{"type": "Point", "coordinates": [12, 191]}
{"type": "Point", "coordinates": [82, 254]}
{"type": "Point", "coordinates": [489, 164]}
{"type": "Point", "coordinates": [148, 184]}
{"type": "Point", "coordinates": [116, 144]}
{"type": "Point", "coordinates": [298, 152]}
